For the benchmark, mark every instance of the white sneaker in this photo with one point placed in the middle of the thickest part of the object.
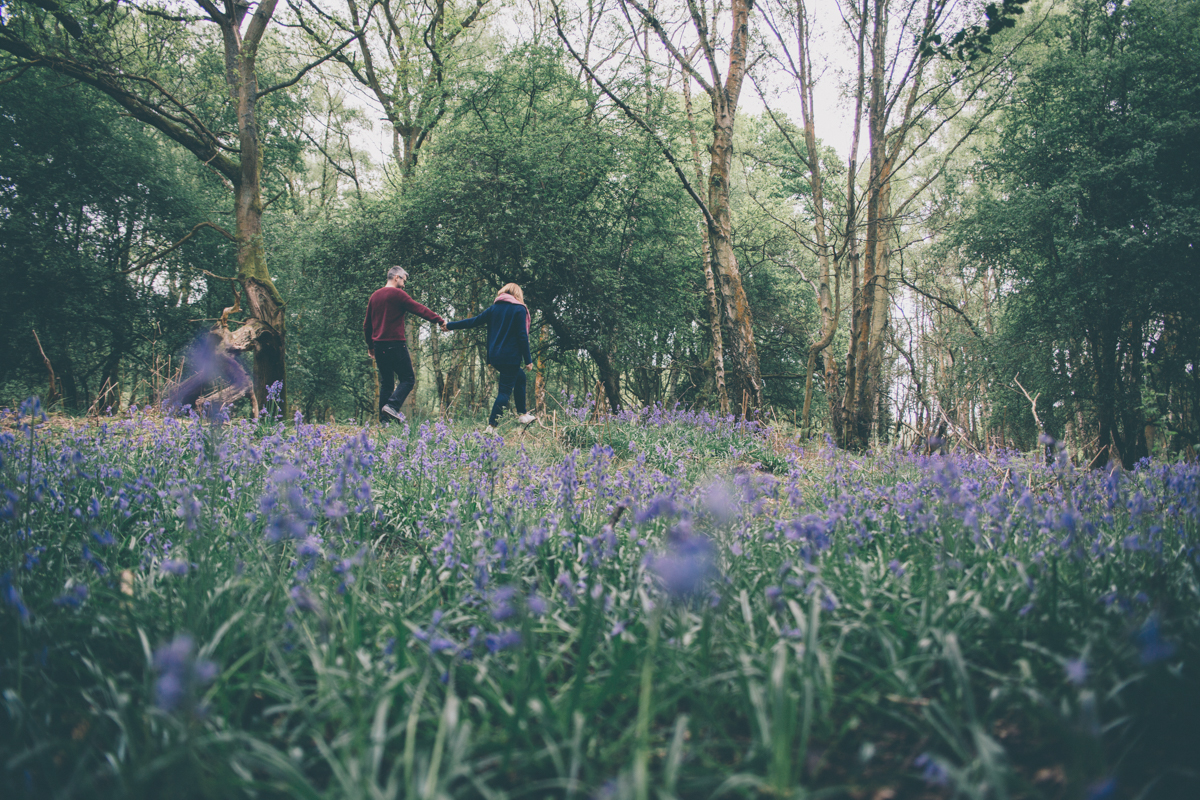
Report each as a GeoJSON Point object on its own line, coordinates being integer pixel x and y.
{"type": "Point", "coordinates": [525, 419]}
{"type": "Point", "coordinates": [393, 412]}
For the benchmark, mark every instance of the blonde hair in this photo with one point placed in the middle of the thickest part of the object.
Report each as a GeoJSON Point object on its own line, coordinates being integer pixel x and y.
{"type": "Point", "coordinates": [514, 290]}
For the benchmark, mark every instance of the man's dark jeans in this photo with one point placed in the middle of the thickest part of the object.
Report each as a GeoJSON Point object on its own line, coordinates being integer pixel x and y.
{"type": "Point", "coordinates": [393, 362]}
{"type": "Point", "coordinates": [512, 382]}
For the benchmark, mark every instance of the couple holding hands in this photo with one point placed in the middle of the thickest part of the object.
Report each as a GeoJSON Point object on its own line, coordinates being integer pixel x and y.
{"type": "Point", "coordinates": [507, 321]}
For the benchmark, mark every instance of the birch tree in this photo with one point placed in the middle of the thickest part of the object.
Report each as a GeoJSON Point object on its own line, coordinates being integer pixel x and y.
{"type": "Point", "coordinates": [720, 72]}
{"type": "Point", "coordinates": [907, 105]}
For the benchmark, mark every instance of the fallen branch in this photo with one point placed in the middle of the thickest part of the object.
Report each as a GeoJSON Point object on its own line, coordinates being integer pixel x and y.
{"type": "Point", "coordinates": [52, 394]}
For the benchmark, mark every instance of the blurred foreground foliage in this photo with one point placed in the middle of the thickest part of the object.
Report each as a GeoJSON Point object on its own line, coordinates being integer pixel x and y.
{"type": "Point", "coordinates": [666, 604]}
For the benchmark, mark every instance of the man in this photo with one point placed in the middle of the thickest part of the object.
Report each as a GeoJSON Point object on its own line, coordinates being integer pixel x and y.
{"type": "Point", "coordinates": [384, 331]}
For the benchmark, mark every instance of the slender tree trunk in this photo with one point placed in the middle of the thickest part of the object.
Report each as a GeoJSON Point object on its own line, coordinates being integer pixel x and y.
{"type": "Point", "coordinates": [264, 331]}
{"type": "Point", "coordinates": [878, 294]}
{"type": "Point", "coordinates": [539, 379]}
{"type": "Point", "coordinates": [747, 386]}
{"type": "Point", "coordinates": [609, 376]}
{"type": "Point", "coordinates": [710, 286]}
{"type": "Point", "coordinates": [858, 403]}
{"type": "Point", "coordinates": [825, 259]}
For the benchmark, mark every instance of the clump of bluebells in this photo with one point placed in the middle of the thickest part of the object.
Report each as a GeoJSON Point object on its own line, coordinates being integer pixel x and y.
{"type": "Point", "coordinates": [362, 587]}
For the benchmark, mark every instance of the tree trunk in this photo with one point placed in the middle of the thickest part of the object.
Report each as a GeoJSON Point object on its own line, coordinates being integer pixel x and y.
{"type": "Point", "coordinates": [746, 386]}
{"type": "Point", "coordinates": [609, 376]}
{"type": "Point", "coordinates": [264, 304]}
{"type": "Point", "coordinates": [539, 379]}
{"type": "Point", "coordinates": [825, 300]}
{"type": "Point", "coordinates": [710, 287]}
{"type": "Point", "coordinates": [877, 292]}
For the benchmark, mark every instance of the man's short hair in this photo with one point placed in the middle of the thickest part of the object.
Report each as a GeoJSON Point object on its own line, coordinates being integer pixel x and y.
{"type": "Point", "coordinates": [397, 272]}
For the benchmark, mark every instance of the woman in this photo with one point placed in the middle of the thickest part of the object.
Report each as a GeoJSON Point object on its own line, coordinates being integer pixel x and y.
{"type": "Point", "coordinates": [507, 347]}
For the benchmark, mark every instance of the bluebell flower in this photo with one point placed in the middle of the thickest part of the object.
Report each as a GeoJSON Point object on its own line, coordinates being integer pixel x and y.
{"type": "Point", "coordinates": [718, 501]}
{"type": "Point", "coordinates": [180, 675]}
{"type": "Point", "coordinates": [440, 644]}
{"type": "Point", "coordinates": [173, 566]}
{"type": "Point", "coordinates": [689, 561]}
{"type": "Point", "coordinates": [33, 558]}
{"type": "Point", "coordinates": [302, 600]}
{"type": "Point", "coordinates": [659, 506]}
{"type": "Point", "coordinates": [96, 563]}
{"type": "Point", "coordinates": [1151, 646]}
{"type": "Point", "coordinates": [310, 547]}
{"type": "Point", "coordinates": [12, 596]}
{"type": "Point", "coordinates": [1101, 789]}
{"type": "Point", "coordinates": [495, 642]}
{"type": "Point", "coordinates": [567, 586]}
{"type": "Point", "coordinates": [502, 603]}
{"type": "Point", "coordinates": [1077, 671]}
{"type": "Point", "coordinates": [829, 601]}
{"type": "Point", "coordinates": [74, 598]}
{"type": "Point", "coordinates": [537, 604]}
{"type": "Point", "coordinates": [932, 770]}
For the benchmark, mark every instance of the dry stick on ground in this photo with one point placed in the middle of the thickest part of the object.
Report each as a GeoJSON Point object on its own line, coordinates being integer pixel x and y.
{"type": "Point", "coordinates": [107, 388]}
{"type": "Point", "coordinates": [52, 394]}
{"type": "Point", "coordinates": [965, 439]}
{"type": "Point", "coordinates": [1037, 420]}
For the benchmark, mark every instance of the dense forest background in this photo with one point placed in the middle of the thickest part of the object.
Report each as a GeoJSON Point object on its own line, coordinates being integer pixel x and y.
{"type": "Point", "coordinates": [992, 238]}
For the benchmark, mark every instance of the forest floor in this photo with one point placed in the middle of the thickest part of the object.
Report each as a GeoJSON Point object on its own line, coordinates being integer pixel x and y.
{"type": "Point", "coordinates": [662, 604]}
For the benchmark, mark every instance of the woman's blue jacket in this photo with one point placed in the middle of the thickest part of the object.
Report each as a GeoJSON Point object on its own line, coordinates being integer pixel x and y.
{"type": "Point", "coordinates": [507, 338]}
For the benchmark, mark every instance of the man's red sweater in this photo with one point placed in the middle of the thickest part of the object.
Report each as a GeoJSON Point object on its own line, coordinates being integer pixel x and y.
{"type": "Point", "coordinates": [385, 315]}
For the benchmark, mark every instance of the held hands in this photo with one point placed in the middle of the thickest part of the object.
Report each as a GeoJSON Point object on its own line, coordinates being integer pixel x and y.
{"type": "Point", "coordinates": [444, 328]}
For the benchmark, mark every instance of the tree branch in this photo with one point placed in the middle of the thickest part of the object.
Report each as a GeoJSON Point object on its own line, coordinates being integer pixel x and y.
{"type": "Point", "coordinates": [150, 259]}
{"type": "Point", "coordinates": [944, 302]}
{"type": "Point", "coordinates": [305, 70]}
{"type": "Point", "coordinates": [138, 108]}
{"type": "Point", "coordinates": [637, 119]}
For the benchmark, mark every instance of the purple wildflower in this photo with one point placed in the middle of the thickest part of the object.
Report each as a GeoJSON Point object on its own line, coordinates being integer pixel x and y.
{"type": "Point", "coordinates": [687, 563]}
{"type": "Point", "coordinates": [932, 770]}
{"type": "Point", "coordinates": [1077, 671]}
{"type": "Point", "coordinates": [719, 502]}
{"type": "Point", "coordinates": [12, 596]}
{"type": "Point", "coordinates": [495, 642]}
{"type": "Point", "coordinates": [74, 598]}
{"type": "Point", "coordinates": [173, 566]}
{"type": "Point", "coordinates": [302, 600]}
{"type": "Point", "coordinates": [537, 604]}
{"type": "Point", "coordinates": [1151, 646]}
{"type": "Point", "coordinates": [180, 675]}
{"type": "Point", "coordinates": [659, 506]}
{"type": "Point", "coordinates": [1101, 789]}
{"type": "Point", "coordinates": [96, 563]}
{"type": "Point", "coordinates": [502, 603]}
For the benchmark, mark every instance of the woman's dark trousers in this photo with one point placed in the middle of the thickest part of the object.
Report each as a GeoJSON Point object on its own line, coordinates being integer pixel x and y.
{"type": "Point", "coordinates": [393, 362]}
{"type": "Point", "coordinates": [512, 382]}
